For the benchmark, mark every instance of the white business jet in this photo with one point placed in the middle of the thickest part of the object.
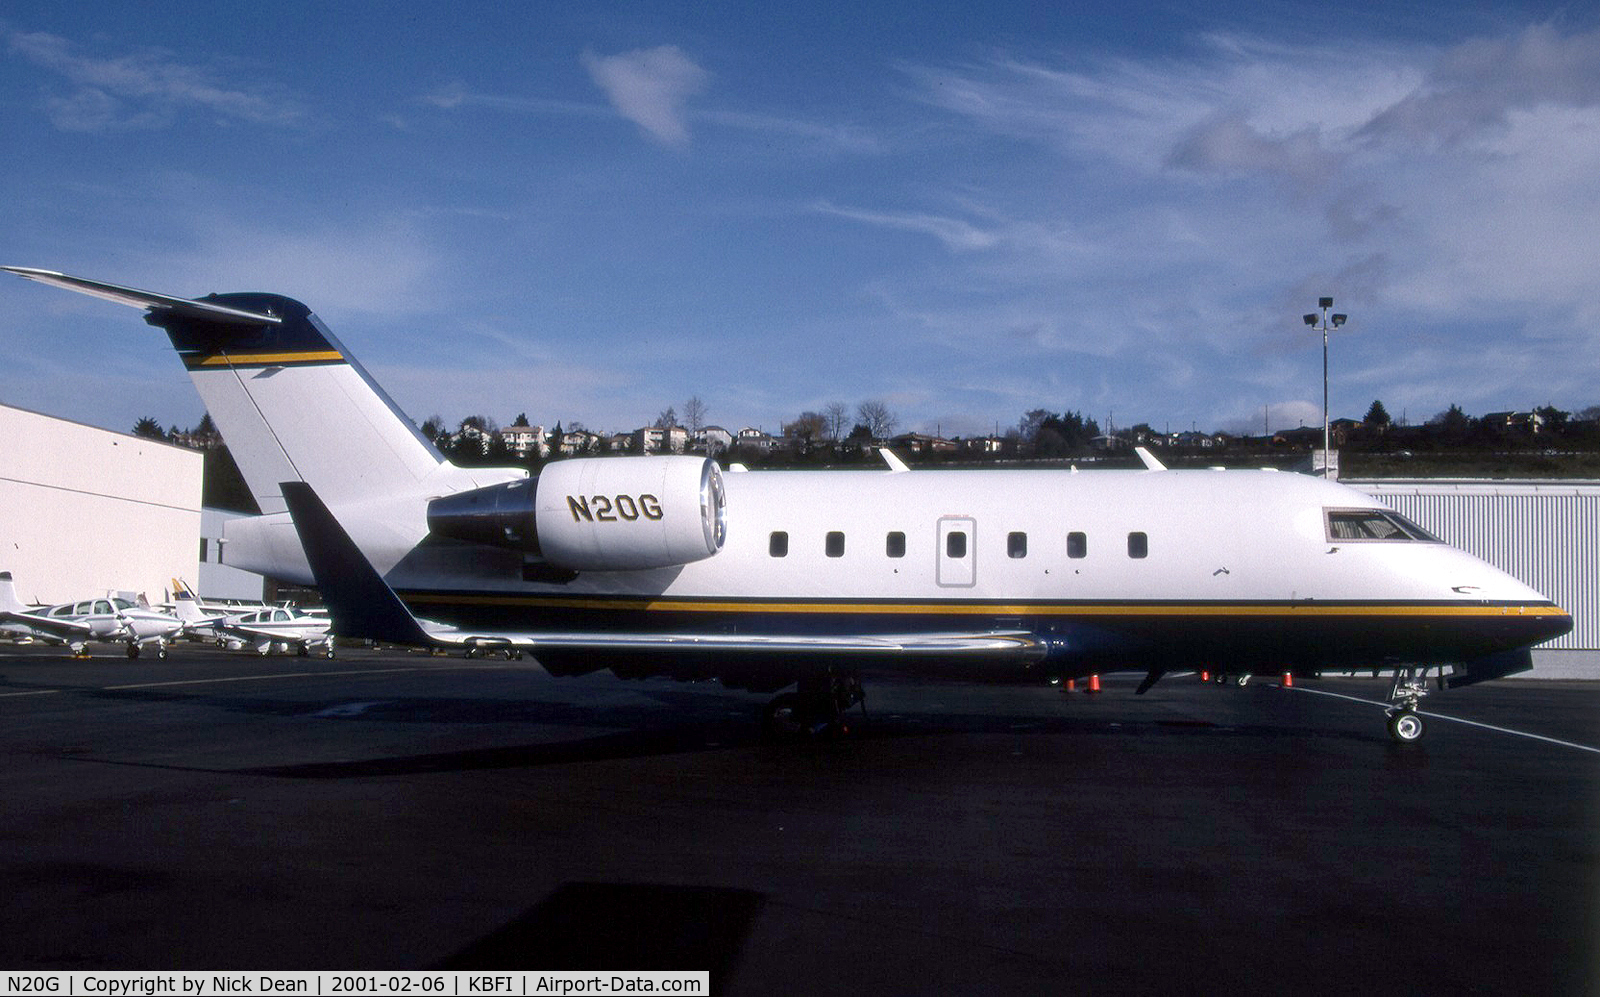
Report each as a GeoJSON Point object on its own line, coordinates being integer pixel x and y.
{"type": "Point", "coordinates": [769, 579]}
{"type": "Point", "coordinates": [105, 620]}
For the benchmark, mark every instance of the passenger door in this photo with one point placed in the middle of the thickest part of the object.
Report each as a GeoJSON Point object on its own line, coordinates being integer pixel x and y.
{"type": "Point", "coordinates": [958, 552]}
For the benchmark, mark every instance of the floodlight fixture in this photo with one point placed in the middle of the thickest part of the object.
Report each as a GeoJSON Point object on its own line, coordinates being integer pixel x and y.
{"type": "Point", "coordinates": [1338, 320]}
{"type": "Point", "coordinates": [1324, 302]}
{"type": "Point", "coordinates": [1311, 320]}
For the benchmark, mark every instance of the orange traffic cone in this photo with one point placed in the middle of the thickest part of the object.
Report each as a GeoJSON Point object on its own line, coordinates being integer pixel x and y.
{"type": "Point", "coordinates": [1072, 685]}
{"type": "Point", "coordinates": [1288, 680]}
{"type": "Point", "coordinates": [1094, 684]}
{"type": "Point", "coordinates": [1205, 676]}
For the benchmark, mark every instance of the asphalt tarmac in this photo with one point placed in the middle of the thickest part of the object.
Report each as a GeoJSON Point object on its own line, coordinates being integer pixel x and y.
{"type": "Point", "coordinates": [397, 811]}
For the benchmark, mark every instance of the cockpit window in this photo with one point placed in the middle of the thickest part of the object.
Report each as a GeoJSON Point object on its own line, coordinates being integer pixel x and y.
{"type": "Point", "coordinates": [1375, 524]}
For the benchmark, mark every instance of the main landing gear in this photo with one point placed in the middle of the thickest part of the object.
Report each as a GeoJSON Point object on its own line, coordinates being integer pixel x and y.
{"type": "Point", "coordinates": [816, 708]}
{"type": "Point", "coordinates": [1410, 685]}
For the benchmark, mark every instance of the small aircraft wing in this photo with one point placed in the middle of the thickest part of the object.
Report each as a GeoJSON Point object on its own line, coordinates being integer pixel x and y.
{"type": "Point", "coordinates": [364, 606]}
{"type": "Point", "coordinates": [47, 626]}
{"type": "Point", "coordinates": [244, 631]}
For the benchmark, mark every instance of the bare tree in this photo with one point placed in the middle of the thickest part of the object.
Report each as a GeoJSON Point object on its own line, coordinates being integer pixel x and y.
{"type": "Point", "coordinates": [808, 427]}
{"type": "Point", "coordinates": [875, 415]}
{"type": "Point", "coordinates": [667, 419]}
{"type": "Point", "coordinates": [694, 415]}
{"type": "Point", "coordinates": [838, 416]}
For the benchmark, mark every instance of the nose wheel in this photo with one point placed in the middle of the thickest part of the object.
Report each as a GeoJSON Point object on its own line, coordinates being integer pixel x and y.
{"type": "Point", "coordinates": [1405, 726]}
{"type": "Point", "coordinates": [1410, 685]}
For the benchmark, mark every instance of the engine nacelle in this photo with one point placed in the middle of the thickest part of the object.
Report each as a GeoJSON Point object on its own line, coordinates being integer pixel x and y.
{"type": "Point", "coordinates": [597, 514]}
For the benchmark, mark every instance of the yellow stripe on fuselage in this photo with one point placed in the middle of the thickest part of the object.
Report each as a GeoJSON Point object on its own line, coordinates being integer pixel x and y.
{"type": "Point", "coordinates": [989, 609]}
{"type": "Point", "coordinates": [263, 359]}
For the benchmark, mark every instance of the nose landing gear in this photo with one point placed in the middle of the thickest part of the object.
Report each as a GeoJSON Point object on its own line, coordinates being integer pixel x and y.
{"type": "Point", "coordinates": [1410, 685]}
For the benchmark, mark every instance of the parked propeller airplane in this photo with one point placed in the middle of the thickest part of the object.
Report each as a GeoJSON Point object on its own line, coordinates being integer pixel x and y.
{"type": "Point", "coordinates": [261, 630]}
{"type": "Point", "coordinates": [666, 565]}
{"type": "Point", "coordinates": [103, 620]}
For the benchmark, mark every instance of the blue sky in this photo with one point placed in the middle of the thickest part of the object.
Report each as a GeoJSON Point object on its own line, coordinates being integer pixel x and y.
{"type": "Point", "coordinates": [592, 212]}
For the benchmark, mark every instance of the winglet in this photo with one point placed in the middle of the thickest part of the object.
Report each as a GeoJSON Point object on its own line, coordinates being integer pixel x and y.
{"type": "Point", "coordinates": [896, 465]}
{"type": "Point", "coordinates": [360, 602]}
{"type": "Point", "coordinates": [1149, 460]}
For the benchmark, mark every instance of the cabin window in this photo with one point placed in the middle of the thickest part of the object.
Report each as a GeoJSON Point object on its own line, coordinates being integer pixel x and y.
{"type": "Point", "coordinates": [1138, 545]}
{"type": "Point", "coordinates": [895, 544]}
{"type": "Point", "coordinates": [834, 545]}
{"type": "Point", "coordinates": [778, 544]}
{"type": "Point", "coordinates": [1077, 545]}
{"type": "Point", "coordinates": [1016, 545]}
{"type": "Point", "coordinates": [955, 544]}
{"type": "Point", "coordinates": [1374, 524]}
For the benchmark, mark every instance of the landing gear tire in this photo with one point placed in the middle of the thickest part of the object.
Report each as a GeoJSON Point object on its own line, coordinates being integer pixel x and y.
{"type": "Point", "coordinates": [161, 653]}
{"type": "Point", "coordinates": [328, 653]}
{"type": "Point", "coordinates": [815, 709]}
{"type": "Point", "coordinates": [133, 650]}
{"type": "Point", "coordinates": [785, 717]}
{"type": "Point", "coordinates": [1405, 727]}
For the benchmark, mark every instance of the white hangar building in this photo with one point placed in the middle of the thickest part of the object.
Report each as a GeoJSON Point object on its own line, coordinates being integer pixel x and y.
{"type": "Point", "coordinates": [86, 510]}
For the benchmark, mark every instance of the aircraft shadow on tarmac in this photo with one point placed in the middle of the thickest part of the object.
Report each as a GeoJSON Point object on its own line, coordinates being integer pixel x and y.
{"type": "Point", "coordinates": [652, 732]}
{"type": "Point", "coordinates": [669, 722]}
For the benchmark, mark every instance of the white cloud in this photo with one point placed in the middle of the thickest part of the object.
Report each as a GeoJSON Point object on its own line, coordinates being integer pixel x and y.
{"type": "Point", "coordinates": [1478, 85]}
{"type": "Point", "coordinates": [650, 87]}
{"type": "Point", "coordinates": [145, 89]}
{"type": "Point", "coordinates": [1206, 201]}
{"type": "Point", "coordinates": [952, 232]}
{"type": "Point", "coordinates": [368, 267]}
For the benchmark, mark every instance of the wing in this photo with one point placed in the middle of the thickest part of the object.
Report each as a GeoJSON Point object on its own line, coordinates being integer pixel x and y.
{"type": "Point", "coordinates": [363, 605]}
{"type": "Point", "coordinates": [246, 632]}
{"type": "Point", "coordinates": [47, 626]}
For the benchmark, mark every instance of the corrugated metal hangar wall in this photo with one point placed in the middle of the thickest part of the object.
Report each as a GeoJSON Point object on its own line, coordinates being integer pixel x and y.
{"type": "Point", "coordinates": [1546, 533]}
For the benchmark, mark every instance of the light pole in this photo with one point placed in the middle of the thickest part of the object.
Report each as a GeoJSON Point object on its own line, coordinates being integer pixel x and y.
{"type": "Point", "coordinates": [1328, 322]}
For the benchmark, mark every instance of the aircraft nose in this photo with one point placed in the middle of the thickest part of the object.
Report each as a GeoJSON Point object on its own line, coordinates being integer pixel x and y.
{"type": "Point", "coordinates": [1548, 625]}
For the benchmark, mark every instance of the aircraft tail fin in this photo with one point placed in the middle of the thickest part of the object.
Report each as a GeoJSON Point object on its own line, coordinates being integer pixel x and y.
{"type": "Point", "coordinates": [186, 608]}
{"type": "Point", "coordinates": [289, 399]}
{"type": "Point", "coordinates": [8, 595]}
{"type": "Point", "coordinates": [360, 603]}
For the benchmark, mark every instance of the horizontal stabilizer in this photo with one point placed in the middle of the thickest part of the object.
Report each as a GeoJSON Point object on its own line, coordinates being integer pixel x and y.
{"type": "Point", "coordinates": [146, 299]}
